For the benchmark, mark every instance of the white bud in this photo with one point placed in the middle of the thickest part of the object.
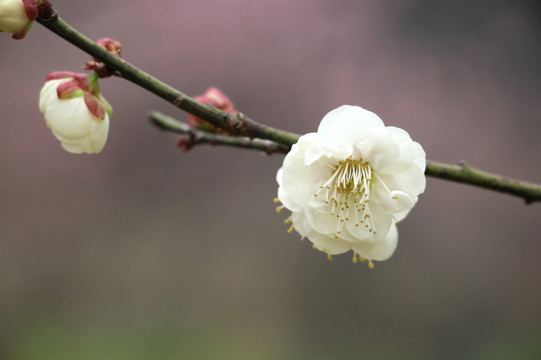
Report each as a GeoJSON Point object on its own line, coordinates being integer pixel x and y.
{"type": "Point", "coordinates": [13, 17]}
{"type": "Point", "coordinates": [71, 121]}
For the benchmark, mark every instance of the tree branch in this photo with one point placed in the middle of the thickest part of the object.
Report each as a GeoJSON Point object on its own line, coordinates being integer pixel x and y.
{"type": "Point", "coordinates": [246, 128]}
{"type": "Point", "coordinates": [468, 175]}
{"type": "Point", "coordinates": [191, 137]}
{"type": "Point", "coordinates": [461, 173]}
{"type": "Point", "coordinates": [235, 124]}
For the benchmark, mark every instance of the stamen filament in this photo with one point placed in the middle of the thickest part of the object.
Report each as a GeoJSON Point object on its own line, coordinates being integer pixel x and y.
{"type": "Point", "coordinates": [347, 193]}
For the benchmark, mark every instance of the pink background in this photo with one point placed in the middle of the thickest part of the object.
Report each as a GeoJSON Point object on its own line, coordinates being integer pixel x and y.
{"type": "Point", "coordinates": [144, 252]}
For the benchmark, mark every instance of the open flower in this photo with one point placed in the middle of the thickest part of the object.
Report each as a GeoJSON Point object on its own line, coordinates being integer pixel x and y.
{"type": "Point", "coordinates": [75, 111]}
{"type": "Point", "coordinates": [17, 16]}
{"type": "Point", "coordinates": [350, 183]}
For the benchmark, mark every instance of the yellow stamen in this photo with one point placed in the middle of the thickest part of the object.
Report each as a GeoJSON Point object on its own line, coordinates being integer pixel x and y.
{"type": "Point", "coordinates": [278, 209]}
{"type": "Point", "coordinates": [291, 228]}
{"type": "Point", "coordinates": [370, 264]}
{"type": "Point", "coordinates": [347, 192]}
{"type": "Point", "coordinates": [329, 257]}
{"type": "Point", "coordinates": [276, 200]}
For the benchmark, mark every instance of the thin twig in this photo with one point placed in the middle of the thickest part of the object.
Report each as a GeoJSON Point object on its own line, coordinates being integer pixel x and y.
{"type": "Point", "coordinates": [469, 175]}
{"type": "Point", "coordinates": [191, 137]}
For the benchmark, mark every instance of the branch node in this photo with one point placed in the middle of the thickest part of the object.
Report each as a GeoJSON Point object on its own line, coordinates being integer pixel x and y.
{"type": "Point", "coordinates": [177, 100]}
{"type": "Point", "coordinates": [186, 142]}
{"type": "Point", "coordinates": [46, 11]}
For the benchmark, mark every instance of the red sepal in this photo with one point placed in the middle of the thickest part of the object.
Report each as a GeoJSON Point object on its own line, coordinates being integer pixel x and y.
{"type": "Point", "coordinates": [61, 75]}
{"type": "Point", "coordinates": [67, 89]}
{"type": "Point", "coordinates": [112, 46]}
{"type": "Point", "coordinates": [93, 106]}
{"type": "Point", "coordinates": [31, 8]}
{"type": "Point", "coordinates": [214, 97]}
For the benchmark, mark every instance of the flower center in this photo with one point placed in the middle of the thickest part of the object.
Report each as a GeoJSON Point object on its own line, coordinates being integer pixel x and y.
{"type": "Point", "coordinates": [347, 193]}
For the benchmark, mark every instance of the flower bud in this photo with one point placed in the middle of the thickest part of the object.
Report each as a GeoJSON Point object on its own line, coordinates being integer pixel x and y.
{"type": "Point", "coordinates": [17, 16]}
{"type": "Point", "coordinates": [112, 46]}
{"type": "Point", "coordinates": [215, 97]}
{"type": "Point", "coordinates": [75, 111]}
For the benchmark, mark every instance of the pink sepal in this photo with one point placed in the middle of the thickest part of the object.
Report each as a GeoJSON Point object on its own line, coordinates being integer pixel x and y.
{"type": "Point", "coordinates": [61, 75]}
{"type": "Point", "coordinates": [21, 34]}
{"type": "Point", "coordinates": [74, 87]}
{"type": "Point", "coordinates": [112, 46]}
{"type": "Point", "coordinates": [69, 90]}
{"type": "Point", "coordinates": [214, 97]}
{"type": "Point", "coordinates": [81, 85]}
{"type": "Point", "coordinates": [31, 7]}
{"type": "Point", "coordinates": [94, 106]}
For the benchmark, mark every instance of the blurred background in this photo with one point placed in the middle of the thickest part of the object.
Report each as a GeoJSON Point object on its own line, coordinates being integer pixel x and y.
{"type": "Point", "coordinates": [143, 252]}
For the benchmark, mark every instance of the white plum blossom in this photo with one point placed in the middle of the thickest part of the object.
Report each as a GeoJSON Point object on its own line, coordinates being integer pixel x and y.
{"type": "Point", "coordinates": [17, 16]}
{"type": "Point", "coordinates": [75, 111]}
{"type": "Point", "coordinates": [348, 184]}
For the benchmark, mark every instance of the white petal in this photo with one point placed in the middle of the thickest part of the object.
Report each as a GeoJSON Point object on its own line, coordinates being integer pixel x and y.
{"type": "Point", "coordinates": [379, 149]}
{"type": "Point", "coordinates": [381, 250]}
{"type": "Point", "coordinates": [301, 182]}
{"type": "Point", "coordinates": [348, 124]}
{"type": "Point", "coordinates": [329, 244]}
{"type": "Point", "coordinates": [13, 17]}
{"type": "Point", "coordinates": [300, 223]}
{"type": "Point", "coordinates": [48, 91]}
{"type": "Point", "coordinates": [76, 128]}
{"type": "Point", "coordinates": [99, 132]}
{"type": "Point", "coordinates": [70, 118]}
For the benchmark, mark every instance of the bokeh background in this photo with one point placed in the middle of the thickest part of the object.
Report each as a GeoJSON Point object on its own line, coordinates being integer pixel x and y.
{"type": "Point", "coordinates": [143, 252]}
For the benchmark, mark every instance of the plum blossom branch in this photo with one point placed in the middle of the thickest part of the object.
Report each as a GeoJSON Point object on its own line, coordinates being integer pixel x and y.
{"type": "Point", "coordinates": [461, 173]}
{"type": "Point", "coordinates": [191, 137]}
{"type": "Point", "coordinates": [235, 124]}
{"type": "Point", "coordinates": [466, 174]}
{"type": "Point", "coordinates": [242, 126]}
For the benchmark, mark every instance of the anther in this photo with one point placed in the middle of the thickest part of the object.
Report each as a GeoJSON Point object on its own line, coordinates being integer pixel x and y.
{"type": "Point", "coordinates": [291, 228]}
